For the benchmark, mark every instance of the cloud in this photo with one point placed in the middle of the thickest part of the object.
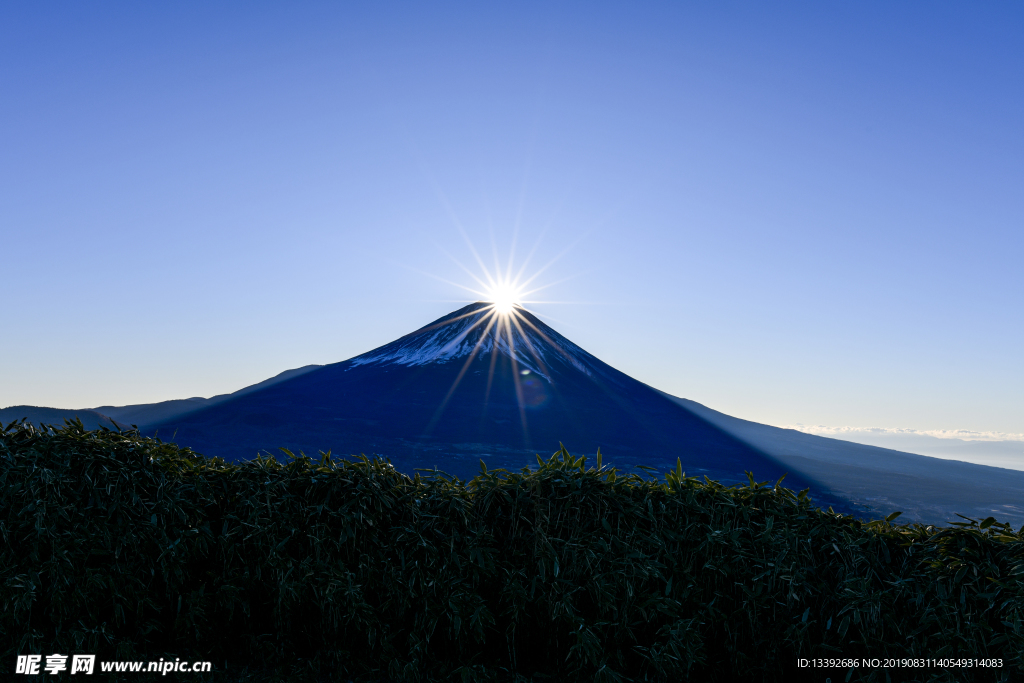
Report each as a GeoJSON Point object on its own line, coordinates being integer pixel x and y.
{"type": "Point", "coordinates": [963, 434]}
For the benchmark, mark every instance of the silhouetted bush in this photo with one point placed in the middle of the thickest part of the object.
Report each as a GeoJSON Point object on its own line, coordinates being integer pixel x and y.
{"type": "Point", "coordinates": [131, 548]}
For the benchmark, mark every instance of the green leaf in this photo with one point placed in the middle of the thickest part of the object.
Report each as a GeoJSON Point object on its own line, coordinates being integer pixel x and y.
{"type": "Point", "coordinates": [843, 625]}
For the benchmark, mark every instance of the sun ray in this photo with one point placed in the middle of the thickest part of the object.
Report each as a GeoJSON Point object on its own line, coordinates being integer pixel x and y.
{"type": "Point", "coordinates": [529, 257]}
{"type": "Point", "coordinates": [476, 254]}
{"type": "Point", "coordinates": [447, 282]}
{"type": "Point", "coordinates": [494, 251]}
{"type": "Point", "coordinates": [493, 317]}
{"type": "Point", "coordinates": [511, 252]}
{"type": "Point", "coordinates": [528, 292]}
{"type": "Point", "coordinates": [550, 263]}
{"type": "Point", "coordinates": [490, 375]}
{"type": "Point", "coordinates": [446, 323]}
{"type": "Point", "coordinates": [538, 301]}
{"type": "Point", "coordinates": [465, 333]}
{"type": "Point", "coordinates": [548, 318]}
{"type": "Point", "coordinates": [515, 379]}
{"type": "Point", "coordinates": [547, 339]}
{"type": "Point", "coordinates": [483, 284]}
{"type": "Point", "coordinates": [442, 197]}
{"type": "Point", "coordinates": [529, 345]}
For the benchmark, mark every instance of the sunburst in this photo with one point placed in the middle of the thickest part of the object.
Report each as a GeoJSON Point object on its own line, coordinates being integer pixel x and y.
{"type": "Point", "coordinates": [508, 291]}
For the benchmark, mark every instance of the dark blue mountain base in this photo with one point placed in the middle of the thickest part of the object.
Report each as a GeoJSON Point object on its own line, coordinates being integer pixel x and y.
{"type": "Point", "coordinates": [428, 401]}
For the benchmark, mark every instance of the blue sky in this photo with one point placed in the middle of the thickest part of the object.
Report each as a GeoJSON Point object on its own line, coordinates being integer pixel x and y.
{"type": "Point", "coordinates": [800, 214]}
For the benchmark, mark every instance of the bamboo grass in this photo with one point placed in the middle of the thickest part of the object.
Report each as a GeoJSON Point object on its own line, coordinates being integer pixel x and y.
{"type": "Point", "coordinates": [334, 569]}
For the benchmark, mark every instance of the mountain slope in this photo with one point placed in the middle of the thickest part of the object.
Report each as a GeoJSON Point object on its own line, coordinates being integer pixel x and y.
{"type": "Point", "coordinates": [145, 414]}
{"type": "Point", "coordinates": [882, 480]}
{"type": "Point", "coordinates": [141, 414]}
{"type": "Point", "coordinates": [39, 416]}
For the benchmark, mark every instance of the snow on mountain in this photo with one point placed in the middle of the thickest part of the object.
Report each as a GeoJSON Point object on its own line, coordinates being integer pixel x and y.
{"type": "Point", "coordinates": [520, 336]}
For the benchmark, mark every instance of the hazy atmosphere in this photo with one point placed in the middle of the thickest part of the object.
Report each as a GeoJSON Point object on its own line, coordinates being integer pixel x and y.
{"type": "Point", "coordinates": [808, 217]}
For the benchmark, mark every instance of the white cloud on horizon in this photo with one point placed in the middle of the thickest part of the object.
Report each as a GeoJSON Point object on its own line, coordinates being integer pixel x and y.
{"type": "Point", "coordinates": [962, 434]}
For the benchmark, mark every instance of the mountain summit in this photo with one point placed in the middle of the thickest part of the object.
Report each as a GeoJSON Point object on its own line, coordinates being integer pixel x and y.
{"type": "Point", "coordinates": [478, 329]}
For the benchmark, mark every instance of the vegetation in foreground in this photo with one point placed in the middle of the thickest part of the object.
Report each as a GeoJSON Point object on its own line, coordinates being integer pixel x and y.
{"type": "Point", "coordinates": [330, 569]}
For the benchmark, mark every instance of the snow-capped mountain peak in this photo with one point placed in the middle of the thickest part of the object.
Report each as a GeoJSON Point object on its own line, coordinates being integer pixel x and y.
{"type": "Point", "coordinates": [478, 330]}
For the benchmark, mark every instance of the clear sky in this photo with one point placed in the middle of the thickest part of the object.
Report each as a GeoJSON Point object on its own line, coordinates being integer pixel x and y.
{"type": "Point", "coordinates": [796, 213]}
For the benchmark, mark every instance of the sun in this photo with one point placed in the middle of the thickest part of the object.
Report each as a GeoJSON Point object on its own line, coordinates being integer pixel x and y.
{"type": "Point", "coordinates": [504, 297]}
{"type": "Point", "coordinates": [509, 290]}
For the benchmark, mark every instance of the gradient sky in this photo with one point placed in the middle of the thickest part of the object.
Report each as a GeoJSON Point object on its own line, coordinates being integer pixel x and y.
{"type": "Point", "coordinates": [809, 213]}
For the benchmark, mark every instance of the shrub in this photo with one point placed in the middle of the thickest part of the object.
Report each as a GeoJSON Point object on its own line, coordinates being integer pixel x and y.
{"type": "Point", "coordinates": [131, 548]}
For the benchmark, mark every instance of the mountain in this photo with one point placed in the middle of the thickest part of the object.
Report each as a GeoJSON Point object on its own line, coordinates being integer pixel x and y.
{"type": "Point", "coordinates": [39, 416]}
{"type": "Point", "coordinates": [881, 479]}
{"type": "Point", "coordinates": [142, 415]}
{"type": "Point", "coordinates": [476, 385]}
{"type": "Point", "coordinates": [472, 385]}
{"type": "Point", "coordinates": [989, 449]}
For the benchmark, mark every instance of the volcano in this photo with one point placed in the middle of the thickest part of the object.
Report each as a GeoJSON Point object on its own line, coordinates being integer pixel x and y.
{"type": "Point", "coordinates": [473, 385]}
{"type": "Point", "coordinates": [482, 385]}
